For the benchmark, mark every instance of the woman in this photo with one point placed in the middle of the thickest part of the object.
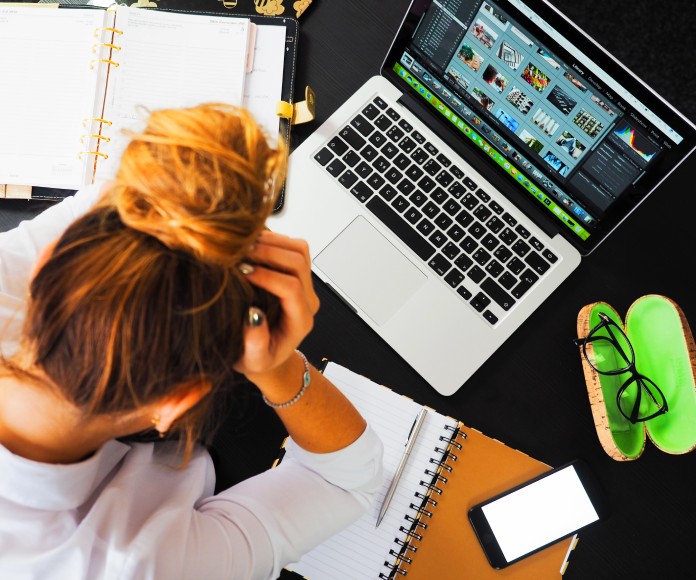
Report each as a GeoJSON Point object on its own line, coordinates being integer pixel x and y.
{"type": "Point", "coordinates": [131, 310]}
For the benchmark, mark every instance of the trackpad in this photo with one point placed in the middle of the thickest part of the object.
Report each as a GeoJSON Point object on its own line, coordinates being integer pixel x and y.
{"type": "Point", "coordinates": [370, 270]}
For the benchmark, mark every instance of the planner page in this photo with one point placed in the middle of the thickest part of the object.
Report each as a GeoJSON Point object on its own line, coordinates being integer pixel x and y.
{"type": "Point", "coordinates": [170, 60]}
{"type": "Point", "coordinates": [48, 83]}
{"type": "Point", "coordinates": [359, 551]}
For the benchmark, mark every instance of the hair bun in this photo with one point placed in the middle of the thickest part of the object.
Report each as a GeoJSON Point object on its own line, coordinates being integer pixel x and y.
{"type": "Point", "coordinates": [200, 180]}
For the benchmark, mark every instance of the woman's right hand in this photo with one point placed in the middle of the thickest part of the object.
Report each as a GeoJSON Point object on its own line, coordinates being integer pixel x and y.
{"type": "Point", "coordinates": [282, 266]}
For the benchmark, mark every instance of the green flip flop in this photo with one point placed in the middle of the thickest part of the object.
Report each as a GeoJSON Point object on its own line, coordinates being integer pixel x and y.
{"type": "Point", "coordinates": [665, 352]}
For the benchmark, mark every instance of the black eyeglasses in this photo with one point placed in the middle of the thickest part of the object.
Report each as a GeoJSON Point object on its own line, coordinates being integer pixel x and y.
{"type": "Point", "coordinates": [614, 353]}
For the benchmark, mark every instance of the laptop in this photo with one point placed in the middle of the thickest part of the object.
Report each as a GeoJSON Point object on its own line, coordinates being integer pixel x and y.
{"type": "Point", "coordinates": [452, 193]}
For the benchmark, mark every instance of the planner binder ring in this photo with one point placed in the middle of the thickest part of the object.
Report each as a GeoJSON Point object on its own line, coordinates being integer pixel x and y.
{"type": "Point", "coordinates": [95, 120]}
{"type": "Point", "coordinates": [99, 153]}
{"type": "Point", "coordinates": [100, 29]}
{"type": "Point", "coordinates": [105, 44]}
{"type": "Point", "coordinates": [106, 60]}
{"type": "Point", "coordinates": [95, 136]}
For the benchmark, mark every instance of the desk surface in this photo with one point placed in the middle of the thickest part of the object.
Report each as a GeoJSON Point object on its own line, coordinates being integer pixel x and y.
{"type": "Point", "coordinates": [531, 393]}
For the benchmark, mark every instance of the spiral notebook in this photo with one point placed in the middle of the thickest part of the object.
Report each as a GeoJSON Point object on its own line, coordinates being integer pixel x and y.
{"type": "Point", "coordinates": [425, 533]}
{"type": "Point", "coordinates": [83, 75]}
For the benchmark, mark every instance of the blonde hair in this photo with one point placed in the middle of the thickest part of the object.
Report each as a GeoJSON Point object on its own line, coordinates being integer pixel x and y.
{"type": "Point", "coordinates": [142, 295]}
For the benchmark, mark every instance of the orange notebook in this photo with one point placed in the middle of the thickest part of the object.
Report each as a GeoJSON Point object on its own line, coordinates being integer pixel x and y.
{"type": "Point", "coordinates": [426, 532]}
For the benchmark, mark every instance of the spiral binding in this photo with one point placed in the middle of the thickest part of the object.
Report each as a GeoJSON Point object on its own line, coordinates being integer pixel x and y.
{"type": "Point", "coordinates": [423, 509]}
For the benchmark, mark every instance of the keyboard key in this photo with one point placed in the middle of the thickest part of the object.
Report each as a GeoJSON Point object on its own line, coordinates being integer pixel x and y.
{"type": "Point", "coordinates": [537, 263]}
{"type": "Point", "coordinates": [393, 115]}
{"type": "Point", "coordinates": [464, 262]}
{"type": "Point", "coordinates": [393, 175]}
{"type": "Point", "coordinates": [443, 221]}
{"type": "Point", "coordinates": [440, 264]}
{"type": "Point", "coordinates": [536, 244]}
{"type": "Point", "coordinates": [432, 167]}
{"type": "Point", "coordinates": [469, 245]}
{"type": "Point", "coordinates": [456, 232]}
{"type": "Point", "coordinates": [495, 225]}
{"type": "Point", "coordinates": [426, 184]}
{"type": "Point", "coordinates": [477, 274]}
{"type": "Point", "coordinates": [490, 242]}
{"type": "Point", "coordinates": [508, 236]}
{"type": "Point", "coordinates": [496, 207]}
{"type": "Point", "coordinates": [464, 218]}
{"type": "Point", "coordinates": [383, 122]}
{"type": "Point", "coordinates": [336, 167]}
{"type": "Point", "coordinates": [362, 191]}
{"type": "Point", "coordinates": [425, 227]}
{"type": "Point", "coordinates": [481, 257]}
{"type": "Point", "coordinates": [400, 228]}
{"type": "Point", "coordinates": [469, 201]}
{"type": "Point", "coordinates": [509, 220]}
{"type": "Point", "coordinates": [470, 183]}
{"type": "Point", "coordinates": [525, 283]}
{"type": "Point", "coordinates": [363, 170]}
{"type": "Point", "coordinates": [515, 266]}
{"type": "Point", "coordinates": [394, 133]}
{"type": "Point", "coordinates": [406, 186]}
{"type": "Point", "coordinates": [550, 256]}
{"type": "Point", "coordinates": [377, 139]}
{"type": "Point", "coordinates": [521, 248]}
{"type": "Point", "coordinates": [348, 179]}
{"type": "Point", "coordinates": [442, 158]}
{"type": "Point", "coordinates": [480, 301]}
{"type": "Point", "coordinates": [490, 317]}
{"type": "Point", "coordinates": [451, 207]}
{"type": "Point", "coordinates": [430, 148]}
{"type": "Point", "coordinates": [419, 156]}
{"type": "Point", "coordinates": [524, 232]}
{"type": "Point", "coordinates": [370, 111]}
{"type": "Point", "coordinates": [454, 278]}
{"type": "Point", "coordinates": [351, 158]}
{"type": "Point", "coordinates": [399, 203]}
{"type": "Point", "coordinates": [458, 173]}
{"type": "Point", "coordinates": [498, 294]}
{"type": "Point", "coordinates": [507, 280]}
{"type": "Point", "coordinates": [483, 196]}
{"type": "Point", "coordinates": [439, 195]}
{"type": "Point", "coordinates": [402, 162]}
{"type": "Point", "coordinates": [375, 181]}
{"type": "Point", "coordinates": [338, 146]}
{"type": "Point", "coordinates": [405, 125]}
{"type": "Point", "coordinates": [324, 156]}
{"type": "Point", "coordinates": [351, 137]}
{"type": "Point", "coordinates": [494, 268]}
{"type": "Point", "coordinates": [431, 210]}
{"type": "Point", "coordinates": [379, 102]}
{"type": "Point", "coordinates": [412, 215]}
{"type": "Point", "coordinates": [451, 250]}
{"type": "Point", "coordinates": [369, 153]}
{"type": "Point", "coordinates": [444, 178]}
{"type": "Point", "coordinates": [414, 173]}
{"type": "Point", "coordinates": [502, 253]}
{"type": "Point", "coordinates": [407, 144]}
{"type": "Point", "coordinates": [418, 198]}
{"type": "Point", "coordinates": [381, 164]}
{"type": "Point", "coordinates": [418, 137]}
{"type": "Point", "coordinates": [363, 126]}
{"type": "Point", "coordinates": [482, 213]}
{"type": "Point", "coordinates": [388, 192]}
{"type": "Point", "coordinates": [464, 293]}
{"type": "Point", "coordinates": [456, 189]}
{"type": "Point", "coordinates": [437, 238]}
{"type": "Point", "coordinates": [389, 150]}
{"type": "Point", "coordinates": [477, 230]}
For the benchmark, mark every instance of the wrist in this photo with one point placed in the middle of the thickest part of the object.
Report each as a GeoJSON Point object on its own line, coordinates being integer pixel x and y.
{"type": "Point", "coordinates": [286, 383]}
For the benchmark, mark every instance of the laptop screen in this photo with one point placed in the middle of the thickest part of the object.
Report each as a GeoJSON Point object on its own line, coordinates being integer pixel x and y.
{"type": "Point", "coordinates": [585, 141]}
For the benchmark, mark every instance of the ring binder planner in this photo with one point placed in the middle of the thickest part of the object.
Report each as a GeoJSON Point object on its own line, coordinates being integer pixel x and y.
{"type": "Point", "coordinates": [426, 534]}
{"type": "Point", "coordinates": [120, 63]}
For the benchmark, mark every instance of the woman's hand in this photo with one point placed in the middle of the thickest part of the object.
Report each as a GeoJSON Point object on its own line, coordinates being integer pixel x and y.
{"type": "Point", "coordinates": [282, 266]}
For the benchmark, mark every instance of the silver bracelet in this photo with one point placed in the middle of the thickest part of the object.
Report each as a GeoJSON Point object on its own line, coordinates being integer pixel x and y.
{"type": "Point", "coordinates": [298, 396]}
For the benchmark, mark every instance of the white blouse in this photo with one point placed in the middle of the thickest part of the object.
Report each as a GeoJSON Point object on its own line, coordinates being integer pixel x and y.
{"type": "Point", "coordinates": [126, 512]}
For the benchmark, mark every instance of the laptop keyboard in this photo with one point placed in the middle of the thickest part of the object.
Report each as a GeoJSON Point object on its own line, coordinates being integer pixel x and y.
{"type": "Point", "coordinates": [456, 227]}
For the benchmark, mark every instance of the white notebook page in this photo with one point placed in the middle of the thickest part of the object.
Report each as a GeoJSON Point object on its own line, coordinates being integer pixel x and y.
{"type": "Point", "coordinates": [359, 551]}
{"type": "Point", "coordinates": [170, 60]}
{"type": "Point", "coordinates": [47, 88]}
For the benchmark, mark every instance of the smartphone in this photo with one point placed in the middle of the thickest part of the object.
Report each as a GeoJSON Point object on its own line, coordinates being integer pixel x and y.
{"type": "Point", "coordinates": [538, 513]}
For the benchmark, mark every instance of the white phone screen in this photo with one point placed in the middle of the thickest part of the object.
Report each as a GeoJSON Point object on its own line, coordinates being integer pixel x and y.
{"type": "Point", "coordinates": [540, 513]}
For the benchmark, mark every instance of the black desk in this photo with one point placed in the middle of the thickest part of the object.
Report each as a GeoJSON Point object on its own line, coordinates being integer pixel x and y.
{"type": "Point", "coordinates": [531, 393]}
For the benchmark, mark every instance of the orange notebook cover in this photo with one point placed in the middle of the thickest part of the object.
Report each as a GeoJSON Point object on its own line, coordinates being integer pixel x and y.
{"type": "Point", "coordinates": [426, 531]}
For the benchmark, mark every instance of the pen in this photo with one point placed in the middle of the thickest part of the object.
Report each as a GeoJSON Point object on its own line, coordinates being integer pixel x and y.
{"type": "Point", "coordinates": [415, 428]}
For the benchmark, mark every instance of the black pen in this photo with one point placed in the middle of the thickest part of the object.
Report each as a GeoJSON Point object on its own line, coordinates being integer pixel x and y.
{"type": "Point", "coordinates": [413, 434]}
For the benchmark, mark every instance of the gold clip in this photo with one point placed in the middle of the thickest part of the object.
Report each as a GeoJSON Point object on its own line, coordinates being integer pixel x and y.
{"type": "Point", "coordinates": [106, 44]}
{"type": "Point", "coordinates": [98, 31]}
{"type": "Point", "coordinates": [299, 112]}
